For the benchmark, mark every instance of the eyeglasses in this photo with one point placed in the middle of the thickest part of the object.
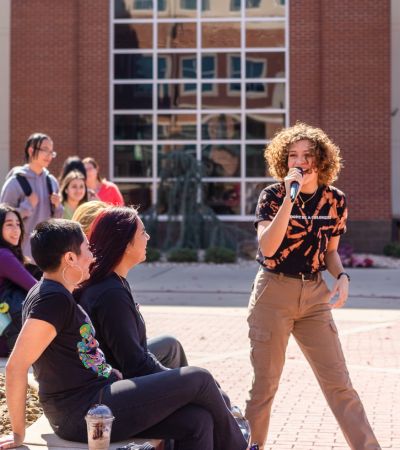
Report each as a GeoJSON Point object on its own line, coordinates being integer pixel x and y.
{"type": "Point", "coordinates": [48, 152]}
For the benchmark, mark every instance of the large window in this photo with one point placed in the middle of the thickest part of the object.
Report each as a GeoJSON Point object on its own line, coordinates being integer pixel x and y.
{"type": "Point", "coordinates": [204, 79]}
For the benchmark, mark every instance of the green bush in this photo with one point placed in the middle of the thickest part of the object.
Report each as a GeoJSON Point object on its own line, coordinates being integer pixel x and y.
{"type": "Point", "coordinates": [152, 254]}
{"type": "Point", "coordinates": [220, 255]}
{"type": "Point", "coordinates": [182, 255]}
{"type": "Point", "coordinates": [392, 249]}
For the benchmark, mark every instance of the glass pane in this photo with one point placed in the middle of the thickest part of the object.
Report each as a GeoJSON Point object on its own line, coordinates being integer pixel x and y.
{"type": "Point", "coordinates": [177, 35]}
{"type": "Point", "coordinates": [221, 160]}
{"type": "Point", "coordinates": [263, 126]}
{"type": "Point", "coordinates": [177, 65]}
{"type": "Point", "coordinates": [223, 34]}
{"type": "Point", "coordinates": [176, 126]}
{"type": "Point", "coordinates": [214, 8]}
{"type": "Point", "coordinates": [255, 163]}
{"type": "Point", "coordinates": [265, 34]}
{"type": "Point", "coordinates": [133, 96]}
{"type": "Point", "coordinates": [220, 126]}
{"type": "Point", "coordinates": [253, 191]}
{"type": "Point", "coordinates": [177, 8]}
{"type": "Point", "coordinates": [265, 8]}
{"type": "Point", "coordinates": [133, 66]}
{"type": "Point", "coordinates": [127, 127]}
{"type": "Point", "coordinates": [133, 9]}
{"type": "Point", "coordinates": [169, 156]}
{"type": "Point", "coordinates": [265, 95]}
{"type": "Point", "coordinates": [133, 35]}
{"type": "Point", "coordinates": [137, 194]}
{"type": "Point", "coordinates": [133, 160]}
{"type": "Point", "coordinates": [177, 96]}
{"type": "Point", "coordinates": [223, 198]}
{"type": "Point", "coordinates": [267, 65]}
{"type": "Point", "coordinates": [219, 95]}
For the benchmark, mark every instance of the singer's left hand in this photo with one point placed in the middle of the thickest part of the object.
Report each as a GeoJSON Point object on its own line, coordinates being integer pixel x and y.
{"type": "Point", "coordinates": [341, 290]}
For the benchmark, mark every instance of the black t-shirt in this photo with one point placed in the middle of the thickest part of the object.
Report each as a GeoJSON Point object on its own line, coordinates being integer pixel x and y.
{"type": "Point", "coordinates": [310, 227]}
{"type": "Point", "coordinates": [120, 327]}
{"type": "Point", "coordinates": [72, 366]}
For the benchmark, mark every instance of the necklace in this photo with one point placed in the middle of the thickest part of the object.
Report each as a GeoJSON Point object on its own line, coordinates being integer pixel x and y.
{"type": "Point", "coordinates": [303, 202]}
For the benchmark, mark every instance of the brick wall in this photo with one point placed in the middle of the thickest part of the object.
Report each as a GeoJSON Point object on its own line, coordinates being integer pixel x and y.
{"type": "Point", "coordinates": [340, 81]}
{"type": "Point", "coordinates": [59, 76]}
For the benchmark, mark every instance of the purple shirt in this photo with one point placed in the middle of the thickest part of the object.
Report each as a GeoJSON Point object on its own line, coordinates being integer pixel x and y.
{"type": "Point", "coordinates": [12, 269]}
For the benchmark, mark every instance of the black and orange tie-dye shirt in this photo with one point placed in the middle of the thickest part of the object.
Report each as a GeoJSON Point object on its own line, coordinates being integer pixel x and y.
{"type": "Point", "coordinates": [304, 246]}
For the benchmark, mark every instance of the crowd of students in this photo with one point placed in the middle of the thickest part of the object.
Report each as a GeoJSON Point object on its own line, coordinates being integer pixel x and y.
{"type": "Point", "coordinates": [86, 339]}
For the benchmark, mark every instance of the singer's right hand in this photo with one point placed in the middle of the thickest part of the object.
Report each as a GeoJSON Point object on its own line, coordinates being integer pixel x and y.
{"type": "Point", "coordinates": [293, 175]}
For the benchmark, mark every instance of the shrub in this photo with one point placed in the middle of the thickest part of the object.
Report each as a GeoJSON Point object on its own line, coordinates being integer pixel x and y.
{"type": "Point", "coordinates": [392, 249]}
{"type": "Point", "coordinates": [220, 255]}
{"type": "Point", "coordinates": [182, 255]}
{"type": "Point", "coordinates": [152, 254]}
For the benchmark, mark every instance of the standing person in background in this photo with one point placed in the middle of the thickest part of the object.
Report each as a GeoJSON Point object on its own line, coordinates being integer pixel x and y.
{"type": "Point", "coordinates": [298, 239]}
{"type": "Point", "coordinates": [31, 189]}
{"type": "Point", "coordinates": [70, 164]}
{"type": "Point", "coordinates": [73, 192]}
{"type": "Point", "coordinates": [100, 188]}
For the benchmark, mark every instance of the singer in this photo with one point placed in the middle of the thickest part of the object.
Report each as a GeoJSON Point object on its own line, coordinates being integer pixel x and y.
{"type": "Point", "coordinates": [298, 240]}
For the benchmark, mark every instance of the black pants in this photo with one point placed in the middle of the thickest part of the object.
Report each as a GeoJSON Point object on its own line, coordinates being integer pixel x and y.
{"type": "Point", "coordinates": [181, 404]}
{"type": "Point", "coordinates": [168, 350]}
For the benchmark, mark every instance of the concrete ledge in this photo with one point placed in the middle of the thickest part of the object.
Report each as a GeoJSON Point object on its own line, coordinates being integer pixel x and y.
{"type": "Point", "coordinates": [41, 436]}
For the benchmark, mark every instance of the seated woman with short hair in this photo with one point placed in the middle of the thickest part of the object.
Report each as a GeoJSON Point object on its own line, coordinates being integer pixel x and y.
{"type": "Point", "coordinates": [58, 339]}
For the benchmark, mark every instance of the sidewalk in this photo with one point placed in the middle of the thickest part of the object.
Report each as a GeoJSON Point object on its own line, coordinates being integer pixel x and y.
{"type": "Point", "coordinates": [205, 307]}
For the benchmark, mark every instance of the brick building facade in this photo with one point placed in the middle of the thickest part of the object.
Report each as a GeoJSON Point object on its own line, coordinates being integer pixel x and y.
{"type": "Point", "coordinates": [338, 77]}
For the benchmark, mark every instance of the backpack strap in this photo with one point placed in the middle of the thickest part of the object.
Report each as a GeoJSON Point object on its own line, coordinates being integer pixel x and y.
{"type": "Point", "coordinates": [24, 183]}
{"type": "Point", "coordinates": [50, 189]}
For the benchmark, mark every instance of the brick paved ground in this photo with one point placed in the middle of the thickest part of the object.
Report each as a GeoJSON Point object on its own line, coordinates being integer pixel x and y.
{"type": "Point", "coordinates": [216, 338]}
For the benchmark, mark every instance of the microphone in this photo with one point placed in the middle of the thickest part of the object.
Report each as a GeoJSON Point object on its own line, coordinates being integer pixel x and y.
{"type": "Point", "coordinates": [294, 186]}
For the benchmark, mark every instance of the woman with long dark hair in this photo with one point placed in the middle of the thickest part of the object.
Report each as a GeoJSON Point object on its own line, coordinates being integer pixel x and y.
{"type": "Point", "coordinates": [15, 279]}
{"type": "Point", "coordinates": [58, 339]}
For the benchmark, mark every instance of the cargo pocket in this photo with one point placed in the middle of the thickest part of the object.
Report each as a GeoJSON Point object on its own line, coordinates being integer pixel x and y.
{"type": "Point", "coordinates": [260, 354]}
{"type": "Point", "coordinates": [336, 343]}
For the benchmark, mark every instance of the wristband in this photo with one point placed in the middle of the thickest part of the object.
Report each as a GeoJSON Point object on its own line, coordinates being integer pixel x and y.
{"type": "Point", "coordinates": [345, 274]}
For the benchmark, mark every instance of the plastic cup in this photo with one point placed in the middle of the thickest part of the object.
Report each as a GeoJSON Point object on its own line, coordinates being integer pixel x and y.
{"type": "Point", "coordinates": [99, 421]}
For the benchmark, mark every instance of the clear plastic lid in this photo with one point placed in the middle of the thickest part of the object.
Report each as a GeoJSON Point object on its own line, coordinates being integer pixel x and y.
{"type": "Point", "coordinates": [100, 411]}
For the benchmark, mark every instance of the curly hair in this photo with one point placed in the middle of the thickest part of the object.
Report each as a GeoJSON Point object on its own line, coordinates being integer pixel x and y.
{"type": "Point", "coordinates": [327, 155]}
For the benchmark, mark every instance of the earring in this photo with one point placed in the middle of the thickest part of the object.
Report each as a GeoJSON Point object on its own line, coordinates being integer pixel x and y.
{"type": "Point", "coordinates": [75, 283]}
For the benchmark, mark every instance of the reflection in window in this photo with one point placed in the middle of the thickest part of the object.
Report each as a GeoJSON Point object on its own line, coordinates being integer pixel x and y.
{"type": "Point", "coordinates": [189, 71]}
{"type": "Point", "coordinates": [263, 126]}
{"type": "Point", "coordinates": [235, 5]}
{"type": "Point", "coordinates": [221, 160]}
{"type": "Point", "coordinates": [133, 160]}
{"type": "Point", "coordinates": [176, 126]}
{"type": "Point", "coordinates": [220, 98]}
{"type": "Point", "coordinates": [166, 158]}
{"type": "Point", "coordinates": [221, 34]}
{"type": "Point", "coordinates": [133, 66]}
{"type": "Point", "coordinates": [265, 34]}
{"type": "Point", "coordinates": [253, 191]}
{"type": "Point", "coordinates": [255, 164]}
{"type": "Point", "coordinates": [138, 35]}
{"type": "Point", "coordinates": [133, 96]}
{"type": "Point", "coordinates": [235, 71]}
{"type": "Point", "coordinates": [137, 194]}
{"type": "Point", "coordinates": [188, 4]}
{"type": "Point", "coordinates": [128, 126]}
{"type": "Point", "coordinates": [223, 198]}
{"type": "Point", "coordinates": [162, 5]}
{"type": "Point", "coordinates": [177, 35]}
{"type": "Point", "coordinates": [207, 70]}
{"type": "Point", "coordinates": [143, 4]}
{"type": "Point", "coordinates": [221, 126]}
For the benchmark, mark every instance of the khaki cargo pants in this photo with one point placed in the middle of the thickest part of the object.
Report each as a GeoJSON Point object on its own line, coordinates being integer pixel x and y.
{"type": "Point", "coordinates": [278, 307]}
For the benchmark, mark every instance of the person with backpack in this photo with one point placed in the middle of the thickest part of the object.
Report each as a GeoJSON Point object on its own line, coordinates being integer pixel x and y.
{"type": "Point", "coordinates": [31, 189]}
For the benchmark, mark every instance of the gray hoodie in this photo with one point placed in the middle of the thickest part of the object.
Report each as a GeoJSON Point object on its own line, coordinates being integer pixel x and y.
{"type": "Point", "coordinates": [13, 195]}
